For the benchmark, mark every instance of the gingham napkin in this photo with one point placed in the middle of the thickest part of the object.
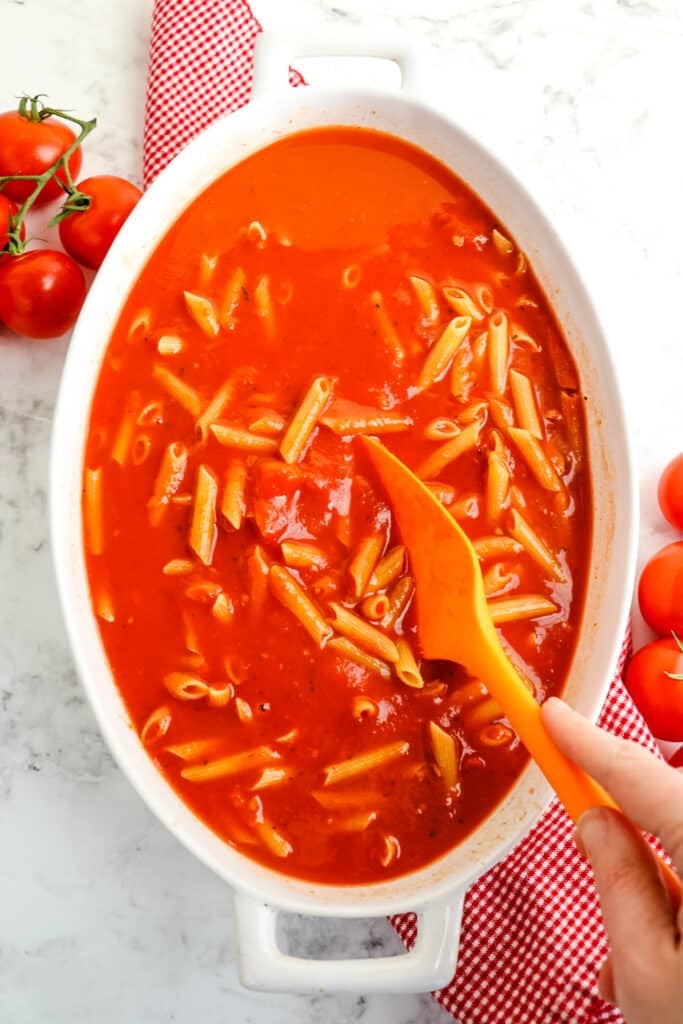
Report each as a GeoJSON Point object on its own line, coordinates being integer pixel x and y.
{"type": "Point", "coordinates": [532, 939]}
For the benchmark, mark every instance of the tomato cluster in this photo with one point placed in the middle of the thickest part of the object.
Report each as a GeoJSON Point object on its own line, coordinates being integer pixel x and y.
{"type": "Point", "coordinates": [42, 290]}
{"type": "Point", "coordinates": [654, 677]}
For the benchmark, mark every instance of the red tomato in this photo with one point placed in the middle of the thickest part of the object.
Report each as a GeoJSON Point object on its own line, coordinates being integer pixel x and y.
{"type": "Point", "coordinates": [41, 293]}
{"type": "Point", "coordinates": [88, 235]}
{"type": "Point", "coordinates": [670, 492]}
{"type": "Point", "coordinates": [660, 591]}
{"type": "Point", "coordinates": [676, 761]}
{"type": "Point", "coordinates": [30, 147]}
{"type": "Point", "coordinates": [7, 210]}
{"type": "Point", "coordinates": [657, 695]}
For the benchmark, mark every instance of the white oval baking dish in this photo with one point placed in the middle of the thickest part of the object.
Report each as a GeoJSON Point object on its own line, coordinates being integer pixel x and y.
{"type": "Point", "coordinates": [437, 891]}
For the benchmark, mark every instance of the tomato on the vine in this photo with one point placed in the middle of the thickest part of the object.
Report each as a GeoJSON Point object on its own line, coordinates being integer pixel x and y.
{"type": "Point", "coordinates": [88, 231]}
{"type": "Point", "coordinates": [7, 210]}
{"type": "Point", "coordinates": [41, 293]}
{"type": "Point", "coordinates": [660, 590]}
{"type": "Point", "coordinates": [670, 492]}
{"type": "Point", "coordinates": [30, 147]}
{"type": "Point", "coordinates": [654, 678]}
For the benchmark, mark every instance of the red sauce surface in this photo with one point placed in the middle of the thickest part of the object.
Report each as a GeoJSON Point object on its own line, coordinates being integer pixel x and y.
{"type": "Point", "coordinates": [328, 199]}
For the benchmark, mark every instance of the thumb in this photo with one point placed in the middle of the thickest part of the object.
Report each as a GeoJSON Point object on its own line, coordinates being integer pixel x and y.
{"type": "Point", "coordinates": [627, 881]}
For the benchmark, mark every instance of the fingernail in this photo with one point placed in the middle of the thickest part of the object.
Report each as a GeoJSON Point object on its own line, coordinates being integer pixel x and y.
{"type": "Point", "coordinates": [590, 831]}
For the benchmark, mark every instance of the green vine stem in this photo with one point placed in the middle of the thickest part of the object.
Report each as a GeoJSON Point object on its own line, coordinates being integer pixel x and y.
{"type": "Point", "coordinates": [34, 110]}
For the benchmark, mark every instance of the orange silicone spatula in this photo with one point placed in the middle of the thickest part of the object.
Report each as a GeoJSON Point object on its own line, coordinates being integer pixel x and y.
{"type": "Point", "coordinates": [454, 624]}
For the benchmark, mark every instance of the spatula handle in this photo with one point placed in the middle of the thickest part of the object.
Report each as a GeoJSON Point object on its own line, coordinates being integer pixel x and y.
{"type": "Point", "coordinates": [576, 790]}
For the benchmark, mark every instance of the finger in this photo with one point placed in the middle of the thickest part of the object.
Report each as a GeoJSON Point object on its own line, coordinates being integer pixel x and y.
{"type": "Point", "coordinates": [645, 787]}
{"type": "Point", "coordinates": [606, 982]}
{"type": "Point", "coordinates": [628, 885]}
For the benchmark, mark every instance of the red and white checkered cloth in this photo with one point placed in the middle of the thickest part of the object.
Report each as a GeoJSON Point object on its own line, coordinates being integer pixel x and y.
{"type": "Point", "coordinates": [532, 939]}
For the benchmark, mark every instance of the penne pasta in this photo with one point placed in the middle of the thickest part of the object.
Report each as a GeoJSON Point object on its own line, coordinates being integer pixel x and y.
{"type": "Point", "coordinates": [169, 345]}
{"type": "Point", "coordinates": [358, 822]}
{"type": "Point", "coordinates": [525, 405]}
{"type": "Point", "coordinates": [534, 545]}
{"type": "Point", "coordinates": [140, 325]}
{"type": "Point", "coordinates": [203, 591]}
{"type": "Point", "coordinates": [351, 276]}
{"type": "Point", "coordinates": [496, 547]}
{"type": "Point", "coordinates": [184, 395]}
{"type": "Point", "coordinates": [497, 487]}
{"type": "Point", "coordinates": [498, 580]}
{"type": "Point", "coordinates": [359, 656]}
{"type": "Point", "coordinates": [263, 304]}
{"type": "Point", "coordinates": [305, 419]}
{"type": "Point", "coordinates": [445, 754]}
{"type": "Point", "coordinates": [441, 429]}
{"type": "Point", "coordinates": [468, 693]}
{"type": "Point", "coordinates": [499, 351]}
{"type": "Point", "coordinates": [462, 377]}
{"type": "Point", "coordinates": [156, 726]}
{"type": "Point", "coordinates": [368, 637]}
{"type": "Point", "coordinates": [193, 749]}
{"type": "Point", "coordinates": [185, 686]}
{"type": "Point", "coordinates": [465, 507]}
{"type": "Point", "coordinates": [219, 696]}
{"type": "Point", "coordinates": [234, 291]}
{"type": "Point", "coordinates": [496, 735]}
{"type": "Point", "coordinates": [484, 297]}
{"type": "Point", "coordinates": [141, 449]}
{"type": "Point", "coordinates": [270, 424]}
{"type": "Point", "coordinates": [462, 303]}
{"type": "Point", "coordinates": [244, 711]}
{"type": "Point", "coordinates": [292, 596]}
{"type": "Point", "coordinates": [425, 294]}
{"type": "Point", "coordinates": [536, 459]}
{"type": "Point", "coordinates": [303, 554]}
{"type": "Point", "coordinates": [503, 244]}
{"type": "Point", "coordinates": [123, 438]}
{"type": "Point", "coordinates": [522, 606]}
{"type": "Point", "coordinates": [222, 609]}
{"type": "Point", "coordinates": [368, 761]}
{"type": "Point", "coordinates": [440, 355]}
{"type": "Point", "coordinates": [363, 707]}
{"type": "Point", "coordinates": [216, 407]}
{"type": "Point", "coordinates": [168, 480]}
{"type": "Point", "coordinates": [234, 764]}
{"type": "Point", "coordinates": [364, 561]}
{"type": "Point", "coordinates": [258, 568]}
{"type": "Point", "coordinates": [482, 713]}
{"type": "Point", "coordinates": [273, 840]}
{"type": "Point", "coordinates": [203, 312]}
{"type": "Point", "coordinates": [407, 668]}
{"type": "Point", "coordinates": [233, 501]}
{"type": "Point", "coordinates": [270, 777]}
{"type": "Point", "coordinates": [342, 799]}
{"type": "Point", "coordinates": [399, 599]}
{"type": "Point", "coordinates": [203, 531]}
{"type": "Point", "coordinates": [350, 419]}
{"type": "Point", "coordinates": [93, 510]}
{"type": "Point", "coordinates": [104, 603]}
{"type": "Point", "coordinates": [386, 329]}
{"type": "Point", "coordinates": [375, 607]}
{"type": "Point", "coordinates": [447, 453]}
{"type": "Point", "coordinates": [237, 437]}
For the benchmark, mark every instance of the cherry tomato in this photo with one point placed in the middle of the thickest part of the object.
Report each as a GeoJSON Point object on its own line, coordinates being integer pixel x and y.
{"type": "Point", "coordinates": [30, 147]}
{"type": "Point", "coordinates": [676, 760]}
{"type": "Point", "coordinates": [88, 235]}
{"type": "Point", "coordinates": [670, 492]}
{"type": "Point", "coordinates": [660, 591]}
{"type": "Point", "coordinates": [7, 210]}
{"type": "Point", "coordinates": [41, 293]}
{"type": "Point", "coordinates": [658, 696]}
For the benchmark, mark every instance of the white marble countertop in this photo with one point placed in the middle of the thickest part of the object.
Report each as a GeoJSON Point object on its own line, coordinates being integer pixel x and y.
{"type": "Point", "coordinates": [104, 916]}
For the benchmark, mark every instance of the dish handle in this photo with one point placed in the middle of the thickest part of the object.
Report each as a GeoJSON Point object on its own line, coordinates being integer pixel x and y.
{"type": "Point", "coordinates": [275, 52]}
{"type": "Point", "coordinates": [429, 965]}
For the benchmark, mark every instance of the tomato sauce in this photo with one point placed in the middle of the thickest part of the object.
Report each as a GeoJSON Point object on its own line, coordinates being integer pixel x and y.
{"type": "Point", "coordinates": [337, 223]}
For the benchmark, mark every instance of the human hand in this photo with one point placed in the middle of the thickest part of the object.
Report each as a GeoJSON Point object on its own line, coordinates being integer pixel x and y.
{"type": "Point", "coordinates": [643, 974]}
